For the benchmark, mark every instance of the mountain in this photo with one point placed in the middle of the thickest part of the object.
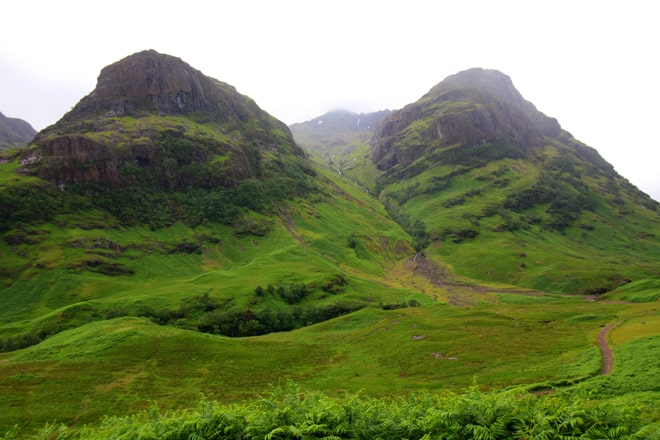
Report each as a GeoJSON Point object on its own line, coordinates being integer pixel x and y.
{"type": "Point", "coordinates": [335, 128]}
{"type": "Point", "coordinates": [471, 108]}
{"type": "Point", "coordinates": [145, 102]}
{"type": "Point", "coordinates": [341, 140]}
{"type": "Point", "coordinates": [163, 189]}
{"type": "Point", "coordinates": [496, 190]}
{"type": "Point", "coordinates": [168, 239]}
{"type": "Point", "coordinates": [14, 132]}
{"type": "Point", "coordinates": [154, 127]}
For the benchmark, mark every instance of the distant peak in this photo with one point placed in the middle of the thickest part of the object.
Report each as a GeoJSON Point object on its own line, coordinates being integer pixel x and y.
{"type": "Point", "coordinates": [14, 132]}
{"type": "Point", "coordinates": [340, 110]}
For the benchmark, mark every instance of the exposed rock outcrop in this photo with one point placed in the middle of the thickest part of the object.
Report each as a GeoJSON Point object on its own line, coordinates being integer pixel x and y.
{"type": "Point", "coordinates": [153, 118]}
{"type": "Point", "coordinates": [473, 107]}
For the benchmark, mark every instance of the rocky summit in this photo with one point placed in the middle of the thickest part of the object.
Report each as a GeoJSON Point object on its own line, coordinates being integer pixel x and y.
{"type": "Point", "coordinates": [143, 105]}
{"type": "Point", "coordinates": [471, 107]}
{"type": "Point", "coordinates": [150, 82]}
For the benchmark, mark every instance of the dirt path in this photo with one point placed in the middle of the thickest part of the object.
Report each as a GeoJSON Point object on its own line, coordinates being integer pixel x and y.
{"type": "Point", "coordinates": [605, 350]}
{"type": "Point", "coordinates": [289, 224]}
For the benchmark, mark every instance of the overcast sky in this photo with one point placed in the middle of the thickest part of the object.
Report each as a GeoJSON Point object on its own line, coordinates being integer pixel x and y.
{"type": "Point", "coordinates": [593, 65]}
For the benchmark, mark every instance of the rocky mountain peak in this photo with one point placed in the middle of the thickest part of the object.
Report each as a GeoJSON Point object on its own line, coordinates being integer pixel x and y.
{"type": "Point", "coordinates": [153, 115]}
{"type": "Point", "coordinates": [476, 106]}
{"type": "Point", "coordinates": [491, 81]}
{"type": "Point", "coordinates": [152, 82]}
{"type": "Point", "coordinates": [147, 73]}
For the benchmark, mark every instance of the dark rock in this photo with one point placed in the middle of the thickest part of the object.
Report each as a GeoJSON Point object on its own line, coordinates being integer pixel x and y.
{"type": "Point", "coordinates": [135, 128]}
{"type": "Point", "coordinates": [470, 108]}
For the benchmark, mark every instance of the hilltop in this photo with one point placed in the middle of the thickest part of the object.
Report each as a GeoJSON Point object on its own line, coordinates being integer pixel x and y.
{"type": "Point", "coordinates": [152, 128]}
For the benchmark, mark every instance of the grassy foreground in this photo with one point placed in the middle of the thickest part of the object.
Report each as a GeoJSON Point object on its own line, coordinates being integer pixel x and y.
{"type": "Point", "coordinates": [127, 365]}
{"type": "Point", "coordinates": [288, 413]}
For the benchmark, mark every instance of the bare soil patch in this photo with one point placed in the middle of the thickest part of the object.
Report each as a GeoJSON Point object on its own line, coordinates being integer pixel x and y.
{"type": "Point", "coordinates": [605, 350]}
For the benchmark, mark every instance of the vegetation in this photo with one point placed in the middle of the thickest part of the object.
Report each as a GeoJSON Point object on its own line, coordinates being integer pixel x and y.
{"type": "Point", "coordinates": [174, 188]}
{"type": "Point", "coordinates": [287, 412]}
{"type": "Point", "coordinates": [546, 222]}
{"type": "Point", "coordinates": [466, 300]}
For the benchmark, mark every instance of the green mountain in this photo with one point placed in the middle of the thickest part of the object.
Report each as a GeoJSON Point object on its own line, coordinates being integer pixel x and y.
{"type": "Point", "coordinates": [499, 192]}
{"type": "Point", "coordinates": [14, 132]}
{"type": "Point", "coordinates": [153, 128]}
{"type": "Point", "coordinates": [167, 239]}
{"type": "Point", "coordinates": [160, 160]}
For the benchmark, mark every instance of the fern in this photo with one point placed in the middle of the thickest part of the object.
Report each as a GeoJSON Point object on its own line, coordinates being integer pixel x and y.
{"type": "Point", "coordinates": [287, 413]}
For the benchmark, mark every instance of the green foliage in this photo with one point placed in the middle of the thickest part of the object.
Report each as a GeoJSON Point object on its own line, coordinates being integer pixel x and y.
{"type": "Point", "coordinates": [478, 155]}
{"type": "Point", "coordinates": [209, 315]}
{"type": "Point", "coordinates": [352, 241]}
{"type": "Point", "coordinates": [561, 189]}
{"type": "Point", "coordinates": [28, 203]}
{"type": "Point", "coordinates": [636, 371]}
{"type": "Point", "coordinates": [640, 291]}
{"type": "Point", "coordinates": [336, 284]}
{"type": "Point", "coordinates": [416, 229]}
{"type": "Point", "coordinates": [287, 412]}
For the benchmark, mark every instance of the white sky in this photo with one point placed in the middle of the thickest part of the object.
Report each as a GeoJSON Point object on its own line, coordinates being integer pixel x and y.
{"type": "Point", "coordinates": [593, 65]}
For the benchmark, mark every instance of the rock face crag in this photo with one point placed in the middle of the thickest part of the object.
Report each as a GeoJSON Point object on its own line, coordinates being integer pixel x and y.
{"type": "Point", "coordinates": [154, 115]}
{"type": "Point", "coordinates": [161, 84]}
{"type": "Point", "coordinates": [473, 107]}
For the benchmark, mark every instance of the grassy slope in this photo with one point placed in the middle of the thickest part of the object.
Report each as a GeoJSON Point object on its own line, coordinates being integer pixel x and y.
{"type": "Point", "coordinates": [49, 285]}
{"type": "Point", "coordinates": [119, 366]}
{"type": "Point", "coordinates": [516, 248]}
{"type": "Point", "coordinates": [615, 240]}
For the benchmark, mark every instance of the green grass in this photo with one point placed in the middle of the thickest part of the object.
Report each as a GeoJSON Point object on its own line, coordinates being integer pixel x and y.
{"type": "Point", "coordinates": [95, 361]}
{"type": "Point", "coordinates": [118, 366]}
{"type": "Point", "coordinates": [121, 366]}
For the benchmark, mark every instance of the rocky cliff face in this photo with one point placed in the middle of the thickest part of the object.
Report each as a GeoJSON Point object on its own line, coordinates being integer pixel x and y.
{"type": "Point", "coordinates": [152, 115]}
{"type": "Point", "coordinates": [149, 82]}
{"type": "Point", "coordinates": [470, 108]}
{"type": "Point", "coordinates": [14, 132]}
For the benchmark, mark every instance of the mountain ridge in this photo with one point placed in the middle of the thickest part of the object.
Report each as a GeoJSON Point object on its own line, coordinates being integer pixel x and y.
{"type": "Point", "coordinates": [14, 132]}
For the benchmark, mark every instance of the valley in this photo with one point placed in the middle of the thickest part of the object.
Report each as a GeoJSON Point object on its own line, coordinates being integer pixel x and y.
{"type": "Point", "coordinates": [168, 245]}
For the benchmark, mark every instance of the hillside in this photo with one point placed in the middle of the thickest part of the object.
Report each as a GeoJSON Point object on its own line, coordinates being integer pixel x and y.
{"type": "Point", "coordinates": [166, 195]}
{"type": "Point", "coordinates": [497, 191]}
{"type": "Point", "coordinates": [167, 239]}
{"type": "Point", "coordinates": [14, 133]}
{"type": "Point", "coordinates": [163, 172]}
{"type": "Point", "coordinates": [340, 140]}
